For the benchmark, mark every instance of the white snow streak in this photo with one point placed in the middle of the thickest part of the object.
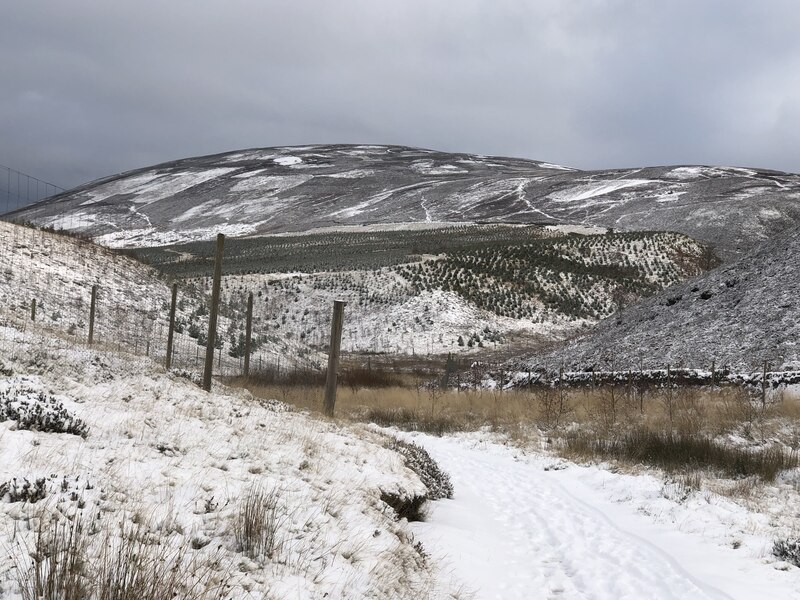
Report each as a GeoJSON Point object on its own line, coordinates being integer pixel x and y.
{"type": "Point", "coordinates": [594, 189]}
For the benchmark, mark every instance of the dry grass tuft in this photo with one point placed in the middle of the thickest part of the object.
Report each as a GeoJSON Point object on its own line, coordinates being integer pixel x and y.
{"type": "Point", "coordinates": [257, 524]}
{"type": "Point", "coordinates": [57, 569]}
{"type": "Point", "coordinates": [133, 564]}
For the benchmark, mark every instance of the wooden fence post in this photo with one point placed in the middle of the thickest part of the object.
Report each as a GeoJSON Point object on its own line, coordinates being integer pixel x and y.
{"type": "Point", "coordinates": [212, 317]}
{"type": "Point", "coordinates": [248, 335]}
{"type": "Point", "coordinates": [92, 309]}
{"type": "Point", "coordinates": [171, 332]}
{"type": "Point", "coordinates": [33, 310]}
{"type": "Point", "coordinates": [333, 357]}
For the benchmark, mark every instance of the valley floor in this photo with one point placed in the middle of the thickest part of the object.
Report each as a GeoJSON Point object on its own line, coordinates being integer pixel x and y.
{"type": "Point", "coordinates": [528, 526]}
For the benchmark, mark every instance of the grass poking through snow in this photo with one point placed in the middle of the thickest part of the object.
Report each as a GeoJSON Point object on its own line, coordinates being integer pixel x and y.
{"type": "Point", "coordinates": [678, 452]}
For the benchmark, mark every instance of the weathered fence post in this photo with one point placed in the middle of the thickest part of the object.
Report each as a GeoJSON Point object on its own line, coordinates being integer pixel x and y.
{"type": "Point", "coordinates": [33, 310]}
{"type": "Point", "coordinates": [333, 357]}
{"type": "Point", "coordinates": [248, 335]}
{"type": "Point", "coordinates": [764, 386]}
{"type": "Point", "coordinates": [91, 314]}
{"type": "Point", "coordinates": [171, 333]}
{"type": "Point", "coordinates": [212, 317]}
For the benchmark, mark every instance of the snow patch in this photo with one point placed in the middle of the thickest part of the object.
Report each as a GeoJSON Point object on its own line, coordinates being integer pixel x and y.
{"type": "Point", "coordinates": [594, 189]}
{"type": "Point", "coordinates": [288, 161]}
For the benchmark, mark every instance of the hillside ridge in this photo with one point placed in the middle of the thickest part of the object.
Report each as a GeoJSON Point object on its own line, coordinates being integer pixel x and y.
{"type": "Point", "coordinates": [300, 188]}
{"type": "Point", "coordinates": [738, 315]}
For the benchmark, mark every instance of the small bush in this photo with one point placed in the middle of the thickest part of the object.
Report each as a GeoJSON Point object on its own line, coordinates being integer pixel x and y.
{"type": "Point", "coordinates": [430, 473]}
{"type": "Point", "coordinates": [257, 523]}
{"type": "Point", "coordinates": [411, 508]}
{"type": "Point", "coordinates": [788, 550]}
{"type": "Point", "coordinates": [23, 491]}
{"type": "Point", "coordinates": [38, 412]}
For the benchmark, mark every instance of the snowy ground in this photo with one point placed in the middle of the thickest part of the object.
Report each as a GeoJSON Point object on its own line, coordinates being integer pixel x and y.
{"type": "Point", "coordinates": [528, 526]}
{"type": "Point", "coordinates": [163, 455]}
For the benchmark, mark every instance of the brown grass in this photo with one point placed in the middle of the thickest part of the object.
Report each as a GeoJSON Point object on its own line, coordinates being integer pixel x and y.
{"type": "Point", "coordinates": [132, 564]}
{"type": "Point", "coordinates": [256, 527]}
{"type": "Point", "coordinates": [673, 452]}
{"type": "Point", "coordinates": [57, 566]}
{"type": "Point", "coordinates": [604, 409]}
{"type": "Point", "coordinates": [684, 427]}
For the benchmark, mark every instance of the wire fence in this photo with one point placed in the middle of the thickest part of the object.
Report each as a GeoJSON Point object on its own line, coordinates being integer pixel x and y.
{"type": "Point", "coordinates": [18, 189]}
{"type": "Point", "coordinates": [47, 283]}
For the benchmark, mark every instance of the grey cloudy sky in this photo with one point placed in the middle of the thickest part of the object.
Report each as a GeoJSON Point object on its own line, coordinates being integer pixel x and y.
{"type": "Point", "coordinates": [92, 87]}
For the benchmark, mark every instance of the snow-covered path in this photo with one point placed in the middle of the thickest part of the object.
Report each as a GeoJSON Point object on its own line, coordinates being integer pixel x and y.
{"type": "Point", "coordinates": [516, 530]}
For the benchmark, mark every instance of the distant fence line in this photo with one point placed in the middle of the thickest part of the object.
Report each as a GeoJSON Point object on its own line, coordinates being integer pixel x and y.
{"type": "Point", "coordinates": [18, 189]}
{"type": "Point", "coordinates": [98, 304]}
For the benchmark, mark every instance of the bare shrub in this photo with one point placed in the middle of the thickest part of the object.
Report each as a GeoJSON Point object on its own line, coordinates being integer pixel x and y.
{"type": "Point", "coordinates": [553, 406]}
{"type": "Point", "coordinates": [690, 412]}
{"type": "Point", "coordinates": [605, 406]}
{"type": "Point", "coordinates": [739, 409]}
{"type": "Point", "coordinates": [257, 524]}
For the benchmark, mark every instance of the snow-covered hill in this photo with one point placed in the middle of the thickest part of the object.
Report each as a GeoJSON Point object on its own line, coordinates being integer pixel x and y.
{"type": "Point", "coordinates": [484, 297]}
{"type": "Point", "coordinates": [125, 475]}
{"type": "Point", "coordinates": [162, 472]}
{"type": "Point", "coordinates": [132, 309]}
{"type": "Point", "coordinates": [273, 190]}
{"type": "Point", "coordinates": [738, 315]}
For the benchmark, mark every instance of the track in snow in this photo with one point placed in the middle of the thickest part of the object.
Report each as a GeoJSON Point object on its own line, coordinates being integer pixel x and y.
{"type": "Point", "coordinates": [515, 530]}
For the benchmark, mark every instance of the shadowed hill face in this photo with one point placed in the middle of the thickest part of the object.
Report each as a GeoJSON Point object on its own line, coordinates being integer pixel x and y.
{"type": "Point", "coordinates": [277, 190]}
{"type": "Point", "coordinates": [738, 315]}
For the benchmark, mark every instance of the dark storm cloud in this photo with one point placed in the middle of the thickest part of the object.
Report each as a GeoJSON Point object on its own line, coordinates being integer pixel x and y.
{"type": "Point", "coordinates": [90, 88]}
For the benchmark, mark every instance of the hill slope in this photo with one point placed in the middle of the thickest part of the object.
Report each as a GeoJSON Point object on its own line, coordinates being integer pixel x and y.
{"type": "Point", "coordinates": [484, 287]}
{"type": "Point", "coordinates": [739, 315]}
{"type": "Point", "coordinates": [132, 306]}
{"type": "Point", "coordinates": [293, 189]}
